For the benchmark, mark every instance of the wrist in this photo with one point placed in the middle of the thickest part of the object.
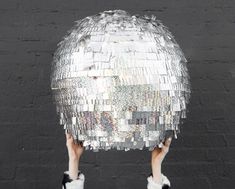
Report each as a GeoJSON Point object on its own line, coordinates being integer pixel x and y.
{"type": "Point", "coordinates": [157, 169]}
{"type": "Point", "coordinates": [158, 178]}
{"type": "Point", "coordinates": [156, 172]}
{"type": "Point", "coordinates": [156, 165]}
{"type": "Point", "coordinates": [73, 168]}
{"type": "Point", "coordinates": [73, 158]}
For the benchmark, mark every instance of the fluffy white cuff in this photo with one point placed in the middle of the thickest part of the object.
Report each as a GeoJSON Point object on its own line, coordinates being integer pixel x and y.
{"type": "Point", "coordinates": [76, 184]}
{"type": "Point", "coordinates": [153, 185]}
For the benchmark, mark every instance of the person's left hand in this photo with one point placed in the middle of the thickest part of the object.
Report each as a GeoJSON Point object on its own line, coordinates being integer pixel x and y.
{"type": "Point", "coordinates": [158, 155]}
{"type": "Point", "coordinates": [74, 150]}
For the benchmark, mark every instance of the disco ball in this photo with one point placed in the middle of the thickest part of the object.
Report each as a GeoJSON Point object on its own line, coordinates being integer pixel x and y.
{"type": "Point", "coordinates": [120, 81]}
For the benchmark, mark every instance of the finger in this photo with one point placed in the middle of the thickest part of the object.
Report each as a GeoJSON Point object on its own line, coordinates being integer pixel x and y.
{"type": "Point", "coordinates": [81, 144]}
{"type": "Point", "coordinates": [160, 145]}
{"type": "Point", "coordinates": [155, 151]}
{"type": "Point", "coordinates": [165, 150]}
{"type": "Point", "coordinates": [168, 142]}
{"type": "Point", "coordinates": [68, 135]}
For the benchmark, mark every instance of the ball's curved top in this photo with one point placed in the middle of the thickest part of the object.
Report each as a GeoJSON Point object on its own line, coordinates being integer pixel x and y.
{"type": "Point", "coordinates": [120, 81]}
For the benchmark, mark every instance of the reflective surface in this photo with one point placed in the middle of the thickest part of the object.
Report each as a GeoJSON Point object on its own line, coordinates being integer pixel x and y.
{"type": "Point", "coordinates": [120, 81]}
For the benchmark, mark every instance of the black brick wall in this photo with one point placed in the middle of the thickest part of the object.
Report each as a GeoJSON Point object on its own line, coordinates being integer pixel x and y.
{"type": "Point", "coordinates": [32, 143]}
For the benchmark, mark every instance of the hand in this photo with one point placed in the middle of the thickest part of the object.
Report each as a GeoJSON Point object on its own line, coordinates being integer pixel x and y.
{"type": "Point", "coordinates": [158, 155]}
{"type": "Point", "coordinates": [74, 150]}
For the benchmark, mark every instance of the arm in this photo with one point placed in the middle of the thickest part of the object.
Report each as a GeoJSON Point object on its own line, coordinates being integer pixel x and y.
{"type": "Point", "coordinates": [157, 180]}
{"type": "Point", "coordinates": [73, 178]}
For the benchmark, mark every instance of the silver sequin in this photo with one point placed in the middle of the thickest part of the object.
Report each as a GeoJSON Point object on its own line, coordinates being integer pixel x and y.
{"type": "Point", "coordinates": [120, 81]}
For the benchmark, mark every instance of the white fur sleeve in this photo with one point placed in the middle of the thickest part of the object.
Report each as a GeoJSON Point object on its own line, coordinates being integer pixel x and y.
{"type": "Point", "coordinates": [153, 185]}
{"type": "Point", "coordinates": [74, 184]}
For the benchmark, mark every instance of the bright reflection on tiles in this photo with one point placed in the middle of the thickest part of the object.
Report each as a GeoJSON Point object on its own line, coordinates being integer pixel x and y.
{"type": "Point", "coordinates": [120, 81]}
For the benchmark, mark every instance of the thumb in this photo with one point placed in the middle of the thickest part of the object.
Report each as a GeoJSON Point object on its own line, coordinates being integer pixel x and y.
{"type": "Point", "coordinates": [168, 142]}
{"type": "Point", "coordinates": [68, 135]}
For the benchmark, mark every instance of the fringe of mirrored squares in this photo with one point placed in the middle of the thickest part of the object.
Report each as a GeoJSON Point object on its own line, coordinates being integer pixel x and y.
{"type": "Point", "coordinates": [148, 87]}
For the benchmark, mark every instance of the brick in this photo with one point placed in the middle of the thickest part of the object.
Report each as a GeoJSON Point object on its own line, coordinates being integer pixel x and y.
{"type": "Point", "coordinates": [32, 142]}
{"type": "Point", "coordinates": [46, 143]}
{"type": "Point", "coordinates": [92, 171]}
{"type": "Point", "coordinates": [196, 182]}
{"type": "Point", "coordinates": [230, 138]}
{"type": "Point", "coordinates": [224, 154]}
{"type": "Point", "coordinates": [206, 140]}
{"type": "Point", "coordinates": [7, 172]}
{"type": "Point", "coordinates": [26, 157]}
{"type": "Point", "coordinates": [122, 157]}
{"type": "Point", "coordinates": [7, 183]}
{"type": "Point", "coordinates": [222, 182]}
{"type": "Point", "coordinates": [195, 169]}
{"type": "Point", "coordinates": [21, 184]}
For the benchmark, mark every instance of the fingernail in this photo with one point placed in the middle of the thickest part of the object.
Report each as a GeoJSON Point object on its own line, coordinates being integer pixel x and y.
{"type": "Point", "coordinates": [169, 139]}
